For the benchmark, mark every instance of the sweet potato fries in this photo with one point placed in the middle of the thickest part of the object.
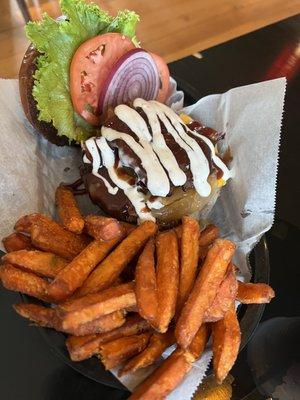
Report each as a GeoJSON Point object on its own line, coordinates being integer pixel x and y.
{"type": "Point", "coordinates": [184, 290]}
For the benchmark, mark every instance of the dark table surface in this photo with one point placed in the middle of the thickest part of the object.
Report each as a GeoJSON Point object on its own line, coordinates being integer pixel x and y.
{"type": "Point", "coordinates": [269, 367]}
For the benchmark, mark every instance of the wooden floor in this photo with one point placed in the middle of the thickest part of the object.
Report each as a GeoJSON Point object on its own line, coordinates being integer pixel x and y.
{"type": "Point", "coordinates": [171, 28]}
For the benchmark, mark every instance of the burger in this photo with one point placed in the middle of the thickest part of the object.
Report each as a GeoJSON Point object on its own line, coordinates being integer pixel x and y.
{"type": "Point", "coordinates": [148, 164]}
{"type": "Point", "coordinates": [85, 79]}
{"type": "Point", "coordinates": [68, 76]}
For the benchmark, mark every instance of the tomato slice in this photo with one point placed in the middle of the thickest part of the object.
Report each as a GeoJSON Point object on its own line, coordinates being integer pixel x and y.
{"type": "Point", "coordinates": [89, 69]}
{"type": "Point", "coordinates": [164, 77]}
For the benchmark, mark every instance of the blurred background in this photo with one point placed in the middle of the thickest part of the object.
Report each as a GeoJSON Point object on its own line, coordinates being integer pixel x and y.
{"type": "Point", "coordinates": [171, 28]}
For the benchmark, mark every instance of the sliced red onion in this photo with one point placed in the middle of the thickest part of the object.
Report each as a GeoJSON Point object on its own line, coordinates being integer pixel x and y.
{"type": "Point", "coordinates": [134, 75]}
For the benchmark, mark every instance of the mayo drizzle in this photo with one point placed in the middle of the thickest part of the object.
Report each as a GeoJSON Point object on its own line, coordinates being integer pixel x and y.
{"type": "Point", "coordinates": [156, 158]}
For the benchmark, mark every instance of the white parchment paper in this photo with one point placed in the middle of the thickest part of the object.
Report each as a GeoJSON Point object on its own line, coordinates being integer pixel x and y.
{"type": "Point", "coordinates": [31, 168]}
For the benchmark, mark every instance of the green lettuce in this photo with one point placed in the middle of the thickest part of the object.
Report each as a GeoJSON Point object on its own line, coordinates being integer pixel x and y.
{"type": "Point", "coordinates": [57, 41]}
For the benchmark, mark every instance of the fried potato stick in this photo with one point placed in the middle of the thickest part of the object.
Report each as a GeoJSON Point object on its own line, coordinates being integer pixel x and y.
{"type": "Point", "coordinates": [68, 210]}
{"type": "Point", "coordinates": [25, 282]}
{"type": "Point", "coordinates": [209, 235]}
{"type": "Point", "coordinates": [39, 262]}
{"type": "Point", "coordinates": [76, 272]}
{"type": "Point", "coordinates": [204, 291]}
{"type": "Point", "coordinates": [47, 317]}
{"type": "Point", "coordinates": [172, 371]}
{"type": "Point", "coordinates": [226, 342]}
{"type": "Point", "coordinates": [117, 351]}
{"type": "Point", "coordinates": [16, 241]}
{"type": "Point", "coordinates": [165, 378]}
{"type": "Point", "coordinates": [50, 236]}
{"type": "Point", "coordinates": [145, 283]}
{"type": "Point", "coordinates": [79, 311]}
{"type": "Point", "coordinates": [108, 270]}
{"type": "Point", "coordinates": [167, 278]}
{"type": "Point", "coordinates": [103, 228]}
{"type": "Point", "coordinates": [83, 347]}
{"type": "Point", "coordinates": [254, 293]}
{"type": "Point", "coordinates": [188, 258]}
{"type": "Point", "coordinates": [156, 346]}
{"type": "Point", "coordinates": [225, 296]}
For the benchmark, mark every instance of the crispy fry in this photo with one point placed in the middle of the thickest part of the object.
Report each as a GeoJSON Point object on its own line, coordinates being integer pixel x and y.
{"type": "Point", "coordinates": [103, 324]}
{"type": "Point", "coordinates": [209, 235]}
{"type": "Point", "coordinates": [103, 228]}
{"type": "Point", "coordinates": [79, 311]}
{"type": "Point", "coordinates": [24, 282]}
{"type": "Point", "coordinates": [165, 378]}
{"type": "Point", "coordinates": [47, 317]}
{"type": "Point", "coordinates": [156, 346]}
{"type": "Point", "coordinates": [68, 210]}
{"type": "Point", "coordinates": [39, 262]}
{"type": "Point", "coordinates": [178, 231]}
{"type": "Point", "coordinates": [172, 371]}
{"type": "Point", "coordinates": [49, 236]}
{"type": "Point", "coordinates": [109, 270]}
{"type": "Point", "coordinates": [76, 272]}
{"type": "Point", "coordinates": [204, 291]}
{"type": "Point", "coordinates": [188, 258]}
{"type": "Point", "coordinates": [83, 347]}
{"type": "Point", "coordinates": [224, 298]}
{"type": "Point", "coordinates": [145, 283]}
{"type": "Point", "coordinates": [226, 342]}
{"type": "Point", "coordinates": [16, 241]}
{"type": "Point", "coordinates": [117, 351]}
{"type": "Point", "coordinates": [254, 293]}
{"type": "Point", "coordinates": [42, 316]}
{"type": "Point", "coordinates": [24, 224]}
{"type": "Point", "coordinates": [199, 342]}
{"type": "Point", "coordinates": [167, 275]}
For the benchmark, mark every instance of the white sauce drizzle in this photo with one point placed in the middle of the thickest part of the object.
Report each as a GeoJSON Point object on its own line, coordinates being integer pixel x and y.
{"type": "Point", "coordinates": [94, 151]}
{"type": "Point", "coordinates": [154, 154]}
{"type": "Point", "coordinates": [136, 198]}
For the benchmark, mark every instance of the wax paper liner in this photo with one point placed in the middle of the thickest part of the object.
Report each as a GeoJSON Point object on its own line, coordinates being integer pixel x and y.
{"type": "Point", "coordinates": [31, 168]}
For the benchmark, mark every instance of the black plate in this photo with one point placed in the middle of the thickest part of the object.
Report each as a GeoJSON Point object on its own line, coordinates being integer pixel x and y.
{"type": "Point", "coordinates": [249, 316]}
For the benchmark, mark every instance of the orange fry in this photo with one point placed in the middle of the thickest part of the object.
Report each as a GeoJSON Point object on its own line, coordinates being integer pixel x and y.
{"type": "Point", "coordinates": [145, 283]}
{"type": "Point", "coordinates": [68, 210]}
{"type": "Point", "coordinates": [204, 291]}
{"type": "Point", "coordinates": [50, 236]}
{"type": "Point", "coordinates": [76, 272]}
{"type": "Point", "coordinates": [165, 378]}
{"type": "Point", "coordinates": [209, 235]}
{"type": "Point", "coordinates": [47, 317]}
{"type": "Point", "coordinates": [172, 371]}
{"type": "Point", "coordinates": [39, 262]}
{"type": "Point", "coordinates": [156, 346]}
{"type": "Point", "coordinates": [199, 342]}
{"type": "Point", "coordinates": [103, 228]}
{"type": "Point", "coordinates": [254, 293]}
{"type": "Point", "coordinates": [224, 298]}
{"type": "Point", "coordinates": [109, 269]}
{"type": "Point", "coordinates": [117, 351]}
{"type": "Point", "coordinates": [226, 342]}
{"type": "Point", "coordinates": [79, 311]}
{"type": "Point", "coordinates": [16, 241]}
{"type": "Point", "coordinates": [127, 227]}
{"type": "Point", "coordinates": [83, 347]}
{"type": "Point", "coordinates": [167, 275]}
{"type": "Point", "coordinates": [25, 282]}
{"type": "Point", "coordinates": [188, 259]}
{"type": "Point", "coordinates": [25, 223]}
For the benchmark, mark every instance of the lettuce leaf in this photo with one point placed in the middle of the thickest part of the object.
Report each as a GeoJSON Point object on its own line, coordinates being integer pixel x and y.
{"type": "Point", "coordinates": [57, 41]}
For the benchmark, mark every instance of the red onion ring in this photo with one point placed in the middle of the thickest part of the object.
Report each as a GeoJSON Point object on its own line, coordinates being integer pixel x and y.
{"type": "Point", "coordinates": [134, 75]}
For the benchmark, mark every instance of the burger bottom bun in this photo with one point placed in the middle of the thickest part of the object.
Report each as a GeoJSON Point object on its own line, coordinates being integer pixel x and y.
{"type": "Point", "coordinates": [187, 203]}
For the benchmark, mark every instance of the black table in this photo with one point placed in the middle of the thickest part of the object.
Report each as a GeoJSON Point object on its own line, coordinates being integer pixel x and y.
{"type": "Point", "coordinates": [28, 369]}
